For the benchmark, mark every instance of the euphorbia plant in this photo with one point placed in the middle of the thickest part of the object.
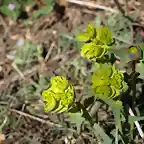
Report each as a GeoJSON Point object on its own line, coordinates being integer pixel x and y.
{"type": "Point", "coordinates": [107, 82]}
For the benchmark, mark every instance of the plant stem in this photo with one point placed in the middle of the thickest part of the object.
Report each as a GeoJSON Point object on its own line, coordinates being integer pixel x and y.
{"type": "Point", "coordinates": [134, 84]}
{"type": "Point", "coordinates": [116, 138]}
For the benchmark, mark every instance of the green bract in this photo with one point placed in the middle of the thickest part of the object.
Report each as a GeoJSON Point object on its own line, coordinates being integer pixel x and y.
{"type": "Point", "coordinates": [88, 35]}
{"type": "Point", "coordinates": [104, 35]}
{"type": "Point", "coordinates": [60, 96]}
{"type": "Point", "coordinates": [107, 81]}
{"type": "Point", "coordinates": [50, 100]}
{"type": "Point", "coordinates": [92, 51]}
{"type": "Point", "coordinates": [59, 83]}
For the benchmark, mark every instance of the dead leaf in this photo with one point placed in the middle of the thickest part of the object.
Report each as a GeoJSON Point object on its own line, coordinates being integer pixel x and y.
{"type": "Point", "coordinates": [62, 3]}
{"type": "Point", "coordinates": [2, 138]}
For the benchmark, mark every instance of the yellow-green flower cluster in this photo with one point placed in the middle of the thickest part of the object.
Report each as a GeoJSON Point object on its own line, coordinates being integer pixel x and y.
{"type": "Point", "coordinates": [60, 96]}
{"type": "Point", "coordinates": [108, 82]}
{"type": "Point", "coordinates": [97, 42]}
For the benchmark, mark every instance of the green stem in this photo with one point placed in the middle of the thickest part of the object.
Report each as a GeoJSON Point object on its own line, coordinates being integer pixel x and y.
{"type": "Point", "coordinates": [134, 91]}
{"type": "Point", "coordinates": [134, 84]}
{"type": "Point", "coordinates": [86, 114]}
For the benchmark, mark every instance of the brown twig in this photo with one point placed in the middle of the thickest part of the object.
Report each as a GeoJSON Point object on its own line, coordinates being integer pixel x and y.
{"type": "Point", "coordinates": [51, 124]}
{"type": "Point", "coordinates": [119, 7]}
{"type": "Point", "coordinates": [90, 4]}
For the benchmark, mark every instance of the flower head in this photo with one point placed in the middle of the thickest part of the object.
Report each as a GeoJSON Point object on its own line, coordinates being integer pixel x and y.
{"type": "Point", "coordinates": [97, 41]}
{"type": "Point", "coordinates": [107, 81]}
{"type": "Point", "coordinates": [60, 96]}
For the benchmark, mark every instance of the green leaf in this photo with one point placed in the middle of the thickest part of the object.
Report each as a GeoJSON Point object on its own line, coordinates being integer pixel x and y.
{"type": "Point", "coordinates": [141, 45]}
{"type": "Point", "coordinates": [135, 118]}
{"type": "Point", "coordinates": [77, 119]}
{"type": "Point", "coordinates": [131, 120]}
{"type": "Point", "coordinates": [6, 2]}
{"type": "Point", "coordinates": [98, 20]}
{"type": "Point", "coordinates": [99, 132]}
{"type": "Point", "coordinates": [140, 69]}
{"type": "Point", "coordinates": [117, 109]}
{"type": "Point", "coordinates": [49, 2]}
{"type": "Point", "coordinates": [43, 11]}
{"type": "Point", "coordinates": [133, 15]}
{"type": "Point", "coordinates": [138, 39]}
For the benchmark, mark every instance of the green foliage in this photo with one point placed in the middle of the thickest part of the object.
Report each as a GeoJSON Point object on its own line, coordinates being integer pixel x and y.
{"type": "Point", "coordinates": [12, 13]}
{"type": "Point", "coordinates": [60, 96]}
{"type": "Point", "coordinates": [99, 132]}
{"type": "Point", "coordinates": [31, 92]}
{"type": "Point", "coordinates": [121, 28]}
{"type": "Point", "coordinates": [13, 8]}
{"type": "Point", "coordinates": [26, 54]}
{"type": "Point", "coordinates": [77, 119]}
